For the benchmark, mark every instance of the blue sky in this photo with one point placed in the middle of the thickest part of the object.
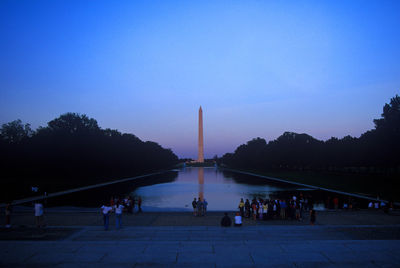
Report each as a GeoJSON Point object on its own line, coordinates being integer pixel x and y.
{"type": "Point", "coordinates": [258, 68]}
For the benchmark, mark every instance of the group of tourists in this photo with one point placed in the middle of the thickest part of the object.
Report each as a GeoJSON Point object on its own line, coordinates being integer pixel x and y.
{"type": "Point", "coordinates": [343, 203]}
{"type": "Point", "coordinates": [387, 207]}
{"type": "Point", "coordinates": [118, 206]}
{"type": "Point", "coordinates": [128, 202]}
{"type": "Point", "coordinates": [199, 206]}
{"type": "Point", "coordinates": [269, 209]}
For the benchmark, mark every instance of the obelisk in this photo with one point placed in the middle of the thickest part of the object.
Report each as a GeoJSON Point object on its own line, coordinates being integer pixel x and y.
{"type": "Point", "coordinates": [200, 157]}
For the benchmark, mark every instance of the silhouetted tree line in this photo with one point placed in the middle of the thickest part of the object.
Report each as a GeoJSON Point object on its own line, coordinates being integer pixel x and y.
{"type": "Point", "coordinates": [73, 150]}
{"type": "Point", "coordinates": [375, 151]}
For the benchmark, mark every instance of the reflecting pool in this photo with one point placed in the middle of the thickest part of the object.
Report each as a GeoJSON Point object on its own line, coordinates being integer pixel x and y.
{"type": "Point", "coordinates": [221, 189]}
{"type": "Point", "coordinates": [174, 190]}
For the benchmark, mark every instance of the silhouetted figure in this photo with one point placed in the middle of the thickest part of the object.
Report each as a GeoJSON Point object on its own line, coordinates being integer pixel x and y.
{"type": "Point", "coordinates": [194, 205]}
{"type": "Point", "coordinates": [205, 204]}
{"type": "Point", "coordinates": [226, 221]}
{"type": "Point", "coordinates": [312, 216]}
{"type": "Point", "coordinates": [241, 207]}
{"type": "Point", "coordinates": [247, 208]}
{"type": "Point", "coordinates": [139, 203]}
{"type": "Point", "coordinates": [131, 205]}
{"type": "Point", "coordinates": [8, 212]}
{"type": "Point", "coordinates": [200, 207]}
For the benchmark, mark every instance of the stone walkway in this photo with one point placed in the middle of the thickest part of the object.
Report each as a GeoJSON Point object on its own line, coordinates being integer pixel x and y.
{"type": "Point", "coordinates": [92, 217]}
{"type": "Point", "coordinates": [201, 246]}
{"type": "Point", "coordinates": [77, 239]}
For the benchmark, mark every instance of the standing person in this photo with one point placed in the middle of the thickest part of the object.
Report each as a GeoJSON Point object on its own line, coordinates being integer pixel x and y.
{"type": "Point", "coordinates": [118, 214]}
{"type": "Point", "coordinates": [265, 210]}
{"type": "Point", "coordinates": [238, 220]}
{"type": "Point", "coordinates": [254, 208]}
{"type": "Point", "coordinates": [283, 209]}
{"type": "Point", "coordinates": [194, 205]}
{"type": "Point", "coordinates": [205, 204]}
{"type": "Point", "coordinates": [370, 205]}
{"type": "Point", "coordinates": [39, 211]}
{"type": "Point", "coordinates": [306, 204]}
{"type": "Point", "coordinates": [270, 210]}
{"type": "Point", "coordinates": [106, 210]}
{"type": "Point", "coordinates": [251, 205]}
{"type": "Point", "coordinates": [278, 208]}
{"type": "Point", "coordinates": [312, 216]}
{"type": "Point", "coordinates": [8, 211]}
{"type": "Point", "coordinates": [131, 205]}
{"type": "Point", "coordinates": [139, 204]}
{"type": "Point", "coordinates": [247, 208]}
{"type": "Point", "coordinates": [350, 203]}
{"type": "Point", "coordinates": [292, 210]}
{"type": "Point", "coordinates": [274, 209]}
{"type": "Point", "coordinates": [241, 207]}
{"type": "Point", "coordinates": [226, 221]}
{"type": "Point", "coordinates": [390, 205]}
{"type": "Point", "coordinates": [126, 203]}
{"type": "Point", "coordinates": [298, 212]}
{"type": "Point", "coordinates": [200, 207]}
{"type": "Point", "coordinates": [336, 203]}
{"type": "Point", "coordinates": [259, 207]}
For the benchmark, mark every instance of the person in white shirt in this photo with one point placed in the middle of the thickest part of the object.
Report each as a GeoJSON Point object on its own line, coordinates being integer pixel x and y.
{"type": "Point", "coordinates": [39, 211]}
{"type": "Point", "coordinates": [118, 214]}
{"type": "Point", "coordinates": [238, 220]}
{"type": "Point", "coordinates": [106, 210]}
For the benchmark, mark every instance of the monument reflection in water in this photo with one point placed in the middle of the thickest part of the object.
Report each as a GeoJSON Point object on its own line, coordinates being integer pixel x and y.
{"type": "Point", "coordinates": [201, 183]}
{"type": "Point", "coordinates": [222, 190]}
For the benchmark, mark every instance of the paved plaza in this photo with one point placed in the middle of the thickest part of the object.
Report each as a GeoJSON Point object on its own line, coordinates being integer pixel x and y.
{"type": "Point", "coordinates": [253, 246]}
{"type": "Point", "coordinates": [158, 242]}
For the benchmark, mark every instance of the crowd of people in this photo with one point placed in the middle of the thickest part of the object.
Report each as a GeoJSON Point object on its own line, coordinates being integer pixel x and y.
{"type": "Point", "coordinates": [293, 208]}
{"type": "Point", "coordinates": [199, 207]}
{"type": "Point", "coordinates": [128, 203]}
{"type": "Point", "coordinates": [269, 209]}
{"type": "Point", "coordinates": [118, 206]}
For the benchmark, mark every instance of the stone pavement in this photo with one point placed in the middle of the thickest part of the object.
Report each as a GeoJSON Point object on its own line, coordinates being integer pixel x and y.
{"type": "Point", "coordinates": [207, 246]}
{"type": "Point", "coordinates": [92, 217]}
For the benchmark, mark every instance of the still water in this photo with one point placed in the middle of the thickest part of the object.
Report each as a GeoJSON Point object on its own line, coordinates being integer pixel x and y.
{"type": "Point", "coordinates": [221, 189]}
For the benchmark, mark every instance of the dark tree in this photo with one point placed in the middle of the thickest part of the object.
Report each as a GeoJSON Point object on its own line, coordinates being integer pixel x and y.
{"type": "Point", "coordinates": [72, 150]}
{"type": "Point", "coordinates": [15, 131]}
{"type": "Point", "coordinates": [376, 151]}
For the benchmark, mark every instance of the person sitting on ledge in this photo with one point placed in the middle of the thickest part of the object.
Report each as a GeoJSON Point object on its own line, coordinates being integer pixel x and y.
{"type": "Point", "coordinates": [238, 220]}
{"type": "Point", "coordinates": [226, 221]}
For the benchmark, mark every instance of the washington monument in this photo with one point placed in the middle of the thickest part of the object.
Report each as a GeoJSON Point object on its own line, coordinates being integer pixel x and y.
{"type": "Point", "coordinates": [200, 158]}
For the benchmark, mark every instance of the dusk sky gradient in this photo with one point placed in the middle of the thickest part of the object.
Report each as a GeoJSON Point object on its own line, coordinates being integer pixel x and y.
{"type": "Point", "coordinates": [258, 68]}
